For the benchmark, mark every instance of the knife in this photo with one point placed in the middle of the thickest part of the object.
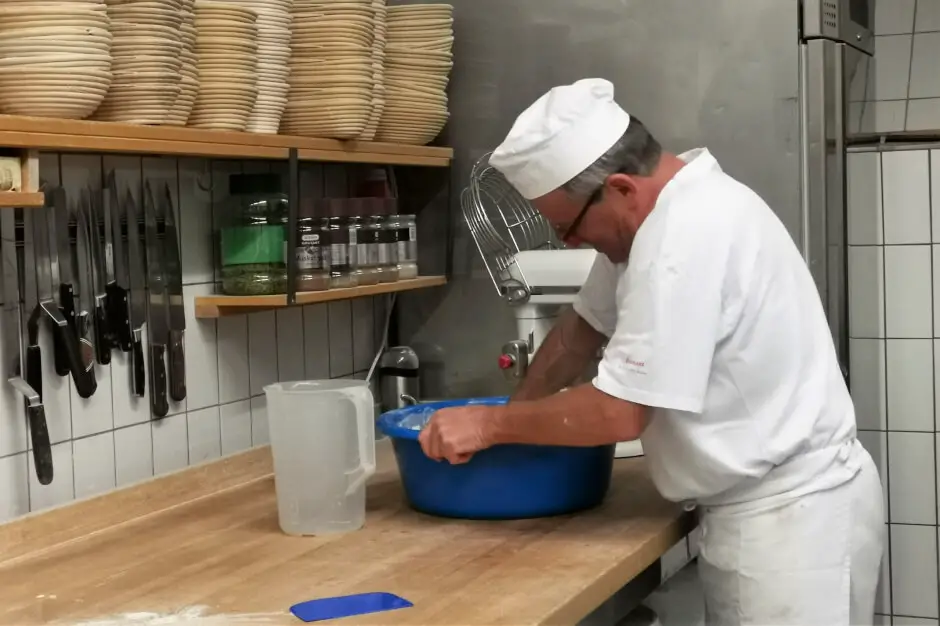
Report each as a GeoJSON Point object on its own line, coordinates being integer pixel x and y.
{"type": "Point", "coordinates": [32, 356]}
{"type": "Point", "coordinates": [157, 325]}
{"type": "Point", "coordinates": [44, 246]}
{"type": "Point", "coordinates": [86, 285]}
{"type": "Point", "coordinates": [118, 280]}
{"type": "Point", "coordinates": [138, 296]}
{"type": "Point", "coordinates": [174, 295]}
{"type": "Point", "coordinates": [59, 257]}
{"type": "Point", "coordinates": [99, 280]}
{"type": "Point", "coordinates": [13, 340]}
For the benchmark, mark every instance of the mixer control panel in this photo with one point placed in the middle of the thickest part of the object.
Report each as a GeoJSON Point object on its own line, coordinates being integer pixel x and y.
{"type": "Point", "coordinates": [514, 361]}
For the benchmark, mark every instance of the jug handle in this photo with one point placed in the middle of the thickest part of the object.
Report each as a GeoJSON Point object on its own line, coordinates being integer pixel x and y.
{"type": "Point", "coordinates": [365, 427]}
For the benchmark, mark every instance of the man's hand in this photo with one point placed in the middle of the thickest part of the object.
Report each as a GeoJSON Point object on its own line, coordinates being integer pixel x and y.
{"type": "Point", "coordinates": [457, 433]}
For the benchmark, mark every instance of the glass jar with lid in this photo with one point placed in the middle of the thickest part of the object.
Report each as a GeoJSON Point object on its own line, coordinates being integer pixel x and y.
{"type": "Point", "coordinates": [386, 246]}
{"type": "Point", "coordinates": [363, 240]}
{"type": "Point", "coordinates": [405, 228]}
{"type": "Point", "coordinates": [335, 228]}
{"type": "Point", "coordinates": [252, 239]}
{"type": "Point", "coordinates": [311, 254]}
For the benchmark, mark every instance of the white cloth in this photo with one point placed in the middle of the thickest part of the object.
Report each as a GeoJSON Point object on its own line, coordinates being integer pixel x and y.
{"type": "Point", "coordinates": [559, 136]}
{"type": "Point", "coordinates": [807, 561]}
{"type": "Point", "coordinates": [716, 323]}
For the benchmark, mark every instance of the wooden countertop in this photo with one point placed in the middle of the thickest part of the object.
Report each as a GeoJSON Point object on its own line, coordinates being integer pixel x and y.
{"type": "Point", "coordinates": [206, 542]}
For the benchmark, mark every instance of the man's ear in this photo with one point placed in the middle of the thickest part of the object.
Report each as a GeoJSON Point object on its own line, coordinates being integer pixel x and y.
{"type": "Point", "coordinates": [622, 184]}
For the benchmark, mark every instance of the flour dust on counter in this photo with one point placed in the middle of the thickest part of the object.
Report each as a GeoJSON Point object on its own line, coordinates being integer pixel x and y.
{"type": "Point", "coordinates": [110, 440]}
{"type": "Point", "coordinates": [190, 616]}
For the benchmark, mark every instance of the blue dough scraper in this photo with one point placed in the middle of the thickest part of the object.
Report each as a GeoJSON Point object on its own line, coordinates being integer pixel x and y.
{"type": "Point", "coordinates": [347, 606]}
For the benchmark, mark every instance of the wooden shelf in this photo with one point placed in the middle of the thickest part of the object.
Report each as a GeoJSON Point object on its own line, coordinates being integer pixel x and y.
{"type": "Point", "coordinates": [25, 199]}
{"type": "Point", "coordinates": [208, 307]}
{"type": "Point", "coordinates": [83, 136]}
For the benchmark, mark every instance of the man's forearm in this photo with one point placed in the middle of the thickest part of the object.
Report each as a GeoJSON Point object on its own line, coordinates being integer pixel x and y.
{"type": "Point", "coordinates": [562, 357]}
{"type": "Point", "coordinates": [582, 416]}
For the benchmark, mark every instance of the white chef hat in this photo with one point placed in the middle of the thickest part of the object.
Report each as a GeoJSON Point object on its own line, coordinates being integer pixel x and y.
{"type": "Point", "coordinates": [559, 136]}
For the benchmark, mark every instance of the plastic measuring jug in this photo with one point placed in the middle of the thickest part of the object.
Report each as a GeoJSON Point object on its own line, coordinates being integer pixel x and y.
{"type": "Point", "coordinates": [323, 443]}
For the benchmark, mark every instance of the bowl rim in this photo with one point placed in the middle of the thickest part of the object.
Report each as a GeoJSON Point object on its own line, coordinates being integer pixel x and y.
{"type": "Point", "coordinates": [388, 421]}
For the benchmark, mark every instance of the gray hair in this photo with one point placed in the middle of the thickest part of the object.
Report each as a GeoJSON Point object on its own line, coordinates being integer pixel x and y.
{"type": "Point", "coordinates": [636, 153]}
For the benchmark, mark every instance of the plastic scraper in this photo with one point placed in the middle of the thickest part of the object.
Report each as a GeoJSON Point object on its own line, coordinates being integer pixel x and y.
{"type": "Point", "coordinates": [348, 606]}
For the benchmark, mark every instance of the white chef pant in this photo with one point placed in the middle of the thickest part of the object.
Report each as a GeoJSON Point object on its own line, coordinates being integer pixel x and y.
{"type": "Point", "coordinates": [808, 560]}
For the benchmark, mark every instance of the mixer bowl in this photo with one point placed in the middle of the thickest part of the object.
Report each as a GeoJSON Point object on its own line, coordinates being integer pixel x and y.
{"type": "Point", "coordinates": [500, 483]}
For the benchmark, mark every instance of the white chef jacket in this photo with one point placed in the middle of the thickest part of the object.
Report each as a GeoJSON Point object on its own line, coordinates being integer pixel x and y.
{"type": "Point", "coordinates": [716, 324]}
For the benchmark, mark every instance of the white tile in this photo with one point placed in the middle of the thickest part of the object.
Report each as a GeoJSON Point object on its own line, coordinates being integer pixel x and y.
{"type": "Point", "coordinates": [876, 443]}
{"type": "Point", "coordinates": [290, 344]}
{"type": "Point", "coordinates": [935, 189]}
{"type": "Point", "coordinates": [925, 79]}
{"type": "Point", "coordinates": [866, 291]}
{"type": "Point", "coordinates": [317, 341]}
{"type": "Point", "coordinates": [905, 176]}
{"type": "Point", "coordinates": [914, 621]}
{"type": "Point", "coordinates": [923, 114]}
{"type": "Point", "coordinates": [202, 353]}
{"type": "Point", "coordinates": [93, 464]}
{"type": "Point", "coordinates": [14, 487]}
{"type": "Point", "coordinates": [363, 333]}
{"type": "Point", "coordinates": [882, 620]}
{"type": "Point", "coordinates": [382, 306]}
{"type": "Point", "coordinates": [205, 438]}
{"type": "Point", "coordinates": [864, 198]}
{"type": "Point", "coordinates": [914, 570]}
{"type": "Point", "coordinates": [894, 17]}
{"type": "Point", "coordinates": [12, 418]}
{"type": "Point", "coordinates": [908, 292]}
{"type": "Point", "coordinates": [128, 408]}
{"type": "Point", "coordinates": [928, 16]}
{"type": "Point", "coordinates": [195, 225]}
{"type": "Point", "coordinates": [133, 452]}
{"type": "Point", "coordinates": [170, 446]}
{"type": "Point", "coordinates": [262, 350]}
{"type": "Point", "coordinates": [867, 371]}
{"type": "Point", "coordinates": [878, 116]}
{"type": "Point", "coordinates": [260, 436]}
{"type": "Point", "coordinates": [892, 68]}
{"type": "Point", "coordinates": [910, 384]}
{"type": "Point", "coordinates": [62, 488]}
{"type": "Point", "coordinates": [341, 349]}
{"type": "Point", "coordinates": [91, 416]}
{"type": "Point", "coordinates": [912, 493]}
{"type": "Point", "coordinates": [236, 426]}
{"type": "Point", "coordinates": [233, 358]}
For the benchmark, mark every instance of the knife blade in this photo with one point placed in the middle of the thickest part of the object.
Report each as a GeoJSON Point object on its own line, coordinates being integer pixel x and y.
{"type": "Point", "coordinates": [44, 243]}
{"type": "Point", "coordinates": [99, 279]}
{"type": "Point", "coordinates": [59, 253]}
{"type": "Point", "coordinates": [32, 356]}
{"type": "Point", "coordinates": [116, 289]}
{"type": "Point", "coordinates": [138, 295]}
{"type": "Point", "coordinates": [86, 285]}
{"type": "Point", "coordinates": [157, 325]}
{"type": "Point", "coordinates": [13, 340]}
{"type": "Point", "coordinates": [174, 294]}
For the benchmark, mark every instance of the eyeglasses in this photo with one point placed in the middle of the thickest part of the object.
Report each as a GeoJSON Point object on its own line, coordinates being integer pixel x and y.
{"type": "Point", "coordinates": [591, 201]}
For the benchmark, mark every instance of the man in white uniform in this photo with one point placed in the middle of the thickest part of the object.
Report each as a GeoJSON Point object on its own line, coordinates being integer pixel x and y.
{"type": "Point", "coordinates": [718, 357]}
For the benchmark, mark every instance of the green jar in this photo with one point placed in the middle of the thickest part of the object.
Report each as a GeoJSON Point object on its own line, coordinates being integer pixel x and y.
{"type": "Point", "coordinates": [253, 237]}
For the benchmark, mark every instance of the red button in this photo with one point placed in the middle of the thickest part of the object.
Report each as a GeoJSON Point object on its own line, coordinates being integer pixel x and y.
{"type": "Point", "coordinates": [505, 361]}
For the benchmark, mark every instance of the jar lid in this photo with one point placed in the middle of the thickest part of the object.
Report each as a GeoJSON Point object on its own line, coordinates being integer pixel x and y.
{"type": "Point", "coordinates": [243, 184]}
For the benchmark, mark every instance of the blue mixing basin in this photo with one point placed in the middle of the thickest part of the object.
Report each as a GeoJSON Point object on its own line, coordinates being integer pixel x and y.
{"type": "Point", "coordinates": [500, 483]}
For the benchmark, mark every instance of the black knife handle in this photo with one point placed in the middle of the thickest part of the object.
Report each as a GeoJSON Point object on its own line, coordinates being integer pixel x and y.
{"type": "Point", "coordinates": [119, 322]}
{"type": "Point", "coordinates": [85, 385]}
{"type": "Point", "coordinates": [34, 368]}
{"type": "Point", "coordinates": [137, 357]}
{"type": "Point", "coordinates": [177, 366]}
{"type": "Point", "coordinates": [102, 343]}
{"type": "Point", "coordinates": [60, 351]}
{"type": "Point", "coordinates": [42, 447]}
{"type": "Point", "coordinates": [158, 401]}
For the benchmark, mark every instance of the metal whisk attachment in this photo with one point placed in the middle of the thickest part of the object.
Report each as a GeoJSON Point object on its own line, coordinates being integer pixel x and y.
{"type": "Point", "coordinates": [503, 223]}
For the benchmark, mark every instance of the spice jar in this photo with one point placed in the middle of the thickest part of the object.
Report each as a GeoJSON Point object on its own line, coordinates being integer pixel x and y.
{"type": "Point", "coordinates": [335, 231]}
{"type": "Point", "coordinates": [385, 238]}
{"type": "Point", "coordinates": [313, 262]}
{"type": "Point", "coordinates": [252, 241]}
{"type": "Point", "coordinates": [363, 237]}
{"type": "Point", "coordinates": [406, 242]}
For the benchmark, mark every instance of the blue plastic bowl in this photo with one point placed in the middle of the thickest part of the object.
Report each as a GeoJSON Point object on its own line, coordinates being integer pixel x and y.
{"type": "Point", "coordinates": [501, 483]}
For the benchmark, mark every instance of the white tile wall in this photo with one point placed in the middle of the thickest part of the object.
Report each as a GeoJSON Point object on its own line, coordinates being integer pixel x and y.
{"type": "Point", "coordinates": [894, 303]}
{"type": "Point", "coordinates": [109, 440]}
